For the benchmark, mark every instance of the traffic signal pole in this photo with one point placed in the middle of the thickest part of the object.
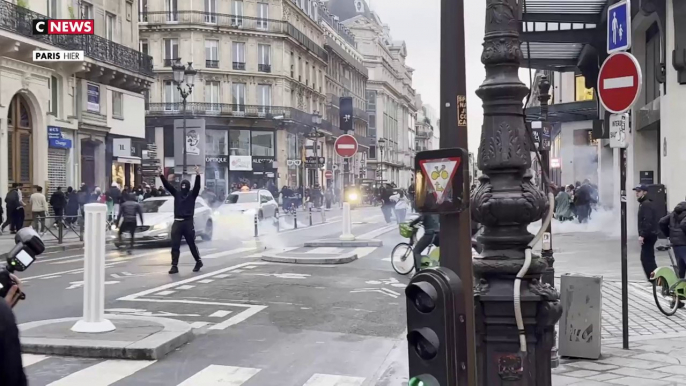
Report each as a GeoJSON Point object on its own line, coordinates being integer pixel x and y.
{"type": "Point", "coordinates": [455, 233]}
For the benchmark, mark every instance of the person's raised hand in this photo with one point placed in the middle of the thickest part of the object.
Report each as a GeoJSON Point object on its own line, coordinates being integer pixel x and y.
{"type": "Point", "coordinates": [197, 169]}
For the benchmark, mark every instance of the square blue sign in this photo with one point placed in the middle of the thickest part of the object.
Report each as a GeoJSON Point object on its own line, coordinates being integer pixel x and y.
{"type": "Point", "coordinates": [619, 27]}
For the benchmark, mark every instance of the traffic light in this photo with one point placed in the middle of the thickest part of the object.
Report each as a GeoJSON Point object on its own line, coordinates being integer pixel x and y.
{"type": "Point", "coordinates": [436, 329]}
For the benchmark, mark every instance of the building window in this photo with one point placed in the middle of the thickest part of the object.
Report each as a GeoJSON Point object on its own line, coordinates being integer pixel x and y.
{"type": "Point", "coordinates": [264, 97]}
{"type": "Point", "coordinates": [143, 46]}
{"type": "Point", "coordinates": [86, 10]}
{"type": "Point", "coordinates": [215, 142]}
{"type": "Point", "coordinates": [172, 96]}
{"type": "Point", "coordinates": [238, 56]}
{"type": "Point", "coordinates": [239, 142]}
{"type": "Point", "coordinates": [372, 152]}
{"type": "Point", "coordinates": [237, 10]}
{"type": "Point", "coordinates": [212, 53]}
{"type": "Point", "coordinates": [212, 95]}
{"type": "Point", "coordinates": [211, 11]}
{"type": "Point", "coordinates": [117, 107]}
{"type": "Point", "coordinates": [262, 15]}
{"type": "Point", "coordinates": [54, 94]}
{"type": "Point", "coordinates": [238, 96]}
{"type": "Point", "coordinates": [172, 8]}
{"type": "Point", "coordinates": [111, 25]}
{"type": "Point", "coordinates": [262, 143]}
{"type": "Point", "coordinates": [264, 58]}
{"type": "Point", "coordinates": [143, 11]}
{"type": "Point", "coordinates": [171, 51]}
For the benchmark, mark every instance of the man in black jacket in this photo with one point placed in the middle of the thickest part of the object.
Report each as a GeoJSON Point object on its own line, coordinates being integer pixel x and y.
{"type": "Point", "coordinates": [647, 229]}
{"type": "Point", "coordinates": [58, 201]}
{"type": "Point", "coordinates": [184, 208]}
{"type": "Point", "coordinates": [673, 225]}
{"type": "Point", "coordinates": [11, 368]}
{"type": "Point", "coordinates": [129, 210]}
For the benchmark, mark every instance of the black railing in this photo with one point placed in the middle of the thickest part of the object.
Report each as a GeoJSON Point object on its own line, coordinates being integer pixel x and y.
{"type": "Point", "coordinates": [217, 19]}
{"type": "Point", "coordinates": [211, 63]}
{"type": "Point", "coordinates": [239, 65]}
{"type": "Point", "coordinates": [19, 20]}
{"type": "Point", "coordinates": [264, 67]}
{"type": "Point", "coordinates": [336, 25]}
{"type": "Point", "coordinates": [235, 21]}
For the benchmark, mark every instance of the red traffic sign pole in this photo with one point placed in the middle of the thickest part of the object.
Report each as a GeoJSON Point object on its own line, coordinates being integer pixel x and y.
{"type": "Point", "coordinates": [619, 82]}
{"type": "Point", "coordinates": [346, 146]}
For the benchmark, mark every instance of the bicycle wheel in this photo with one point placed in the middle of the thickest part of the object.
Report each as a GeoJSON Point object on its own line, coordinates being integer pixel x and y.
{"type": "Point", "coordinates": [402, 259]}
{"type": "Point", "coordinates": [661, 288]}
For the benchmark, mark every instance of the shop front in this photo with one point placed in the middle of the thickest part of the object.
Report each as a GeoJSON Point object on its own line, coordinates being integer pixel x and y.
{"type": "Point", "coordinates": [125, 158]}
{"type": "Point", "coordinates": [59, 154]}
{"type": "Point", "coordinates": [216, 170]}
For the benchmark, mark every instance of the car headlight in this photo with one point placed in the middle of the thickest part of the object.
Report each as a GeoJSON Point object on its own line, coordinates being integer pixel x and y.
{"type": "Point", "coordinates": [161, 226]}
{"type": "Point", "coordinates": [352, 196]}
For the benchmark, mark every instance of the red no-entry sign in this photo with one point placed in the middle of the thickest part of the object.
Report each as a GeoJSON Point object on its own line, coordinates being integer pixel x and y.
{"type": "Point", "coordinates": [619, 82]}
{"type": "Point", "coordinates": [346, 146]}
{"type": "Point", "coordinates": [328, 174]}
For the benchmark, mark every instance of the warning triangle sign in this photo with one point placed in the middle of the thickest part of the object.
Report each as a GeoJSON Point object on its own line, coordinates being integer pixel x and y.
{"type": "Point", "coordinates": [440, 173]}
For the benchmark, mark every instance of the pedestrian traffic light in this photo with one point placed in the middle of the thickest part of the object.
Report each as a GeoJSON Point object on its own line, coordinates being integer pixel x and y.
{"type": "Point", "coordinates": [436, 329]}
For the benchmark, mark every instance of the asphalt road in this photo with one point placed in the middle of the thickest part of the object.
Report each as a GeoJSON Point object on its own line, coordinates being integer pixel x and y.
{"type": "Point", "coordinates": [258, 323]}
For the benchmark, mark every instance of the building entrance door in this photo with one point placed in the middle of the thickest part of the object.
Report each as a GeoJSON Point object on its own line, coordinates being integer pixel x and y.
{"type": "Point", "coordinates": [20, 149]}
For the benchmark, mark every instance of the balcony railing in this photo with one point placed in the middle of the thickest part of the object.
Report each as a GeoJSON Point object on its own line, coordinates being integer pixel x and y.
{"type": "Point", "coordinates": [239, 65]}
{"type": "Point", "coordinates": [213, 19]}
{"type": "Point", "coordinates": [360, 114]}
{"type": "Point", "coordinates": [19, 20]}
{"type": "Point", "coordinates": [211, 63]}
{"type": "Point", "coordinates": [264, 67]}
{"type": "Point", "coordinates": [235, 110]}
{"type": "Point", "coordinates": [340, 29]}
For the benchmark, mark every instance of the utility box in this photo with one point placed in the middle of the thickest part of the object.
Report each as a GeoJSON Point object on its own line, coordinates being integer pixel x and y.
{"type": "Point", "coordinates": [580, 324]}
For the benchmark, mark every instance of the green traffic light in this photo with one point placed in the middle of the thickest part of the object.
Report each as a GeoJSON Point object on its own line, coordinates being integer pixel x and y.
{"type": "Point", "coordinates": [416, 382]}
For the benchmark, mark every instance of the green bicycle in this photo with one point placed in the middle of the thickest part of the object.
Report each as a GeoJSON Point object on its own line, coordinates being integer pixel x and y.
{"type": "Point", "coordinates": [402, 258]}
{"type": "Point", "coordinates": [668, 286]}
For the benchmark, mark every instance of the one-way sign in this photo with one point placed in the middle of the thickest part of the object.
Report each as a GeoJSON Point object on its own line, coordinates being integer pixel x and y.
{"type": "Point", "coordinates": [619, 27]}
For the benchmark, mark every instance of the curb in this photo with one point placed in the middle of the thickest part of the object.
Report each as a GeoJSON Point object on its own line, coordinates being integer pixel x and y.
{"type": "Point", "coordinates": [55, 248]}
{"type": "Point", "coordinates": [344, 244]}
{"type": "Point", "coordinates": [173, 334]}
{"type": "Point", "coordinates": [340, 259]}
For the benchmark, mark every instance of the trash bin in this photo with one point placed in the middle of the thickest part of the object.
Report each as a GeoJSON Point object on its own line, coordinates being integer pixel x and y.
{"type": "Point", "coordinates": [580, 324]}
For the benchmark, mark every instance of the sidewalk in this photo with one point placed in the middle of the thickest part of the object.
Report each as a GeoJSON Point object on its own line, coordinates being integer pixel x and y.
{"type": "Point", "coordinates": [71, 241]}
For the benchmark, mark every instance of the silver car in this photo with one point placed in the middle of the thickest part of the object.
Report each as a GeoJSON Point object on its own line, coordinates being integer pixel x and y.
{"type": "Point", "coordinates": [258, 202]}
{"type": "Point", "coordinates": [158, 216]}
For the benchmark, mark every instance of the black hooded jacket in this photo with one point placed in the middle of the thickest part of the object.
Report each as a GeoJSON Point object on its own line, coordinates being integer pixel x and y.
{"type": "Point", "coordinates": [647, 218]}
{"type": "Point", "coordinates": [674, 225]}
{"type": "Point", "coordinates": [184, 197]}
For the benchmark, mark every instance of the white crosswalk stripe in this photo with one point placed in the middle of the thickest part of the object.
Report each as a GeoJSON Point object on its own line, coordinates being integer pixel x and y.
{"type": "Point", "coordinates": [109, 372]}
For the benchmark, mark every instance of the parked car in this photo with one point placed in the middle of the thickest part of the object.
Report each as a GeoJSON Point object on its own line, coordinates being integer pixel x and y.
{"type": "Point", "coordinates": [258, 202]}
{"type": "Point", "coordinates": [158, 216]}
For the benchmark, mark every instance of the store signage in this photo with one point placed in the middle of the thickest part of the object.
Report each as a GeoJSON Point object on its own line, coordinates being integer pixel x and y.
{"type": "Point", "coordinates": [260, 160]}
{"type": "Point", "coordinates": [121, 147]}
{"type": "Point", "coordinates": [59, 143]}
{"type": "Point", "coordinates": [315, 162]}
{"type": "Point", "coordinates": [346, 114]}
{"type": "Point", "coordinates": [54, 132]}
{"type": "Point", "coordinates": [220, 160]}
{"type": "Point", "coordinates": [240, 163]}
{"type": "Point", "coordinates": [93, 98]}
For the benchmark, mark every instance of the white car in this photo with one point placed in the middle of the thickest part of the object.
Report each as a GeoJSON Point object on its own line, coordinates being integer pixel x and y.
{"type": "Point", "coordinates": [158, 218]}
{"type": "Point", "coordinates": [258, 202]}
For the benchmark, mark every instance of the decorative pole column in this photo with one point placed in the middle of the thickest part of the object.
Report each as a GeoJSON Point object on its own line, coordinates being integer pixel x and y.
{"type": "Point", "coordinates": [506, 202]}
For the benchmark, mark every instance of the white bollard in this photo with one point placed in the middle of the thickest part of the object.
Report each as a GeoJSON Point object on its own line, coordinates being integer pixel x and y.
{"type": "Point", "coordinates": [347, 234]}
{"type": "Point", "coordinates": [94, 272]}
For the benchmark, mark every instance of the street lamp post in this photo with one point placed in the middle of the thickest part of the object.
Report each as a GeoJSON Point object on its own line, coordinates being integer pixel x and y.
{"type": "Point", "coordinates": [506, 202]}
{"type": "Point", "coordinates": [382, 148]}
{"type": "Point", "coordinates": [315, 134]}
{"type": "Point", "coordinates": [184, 79]}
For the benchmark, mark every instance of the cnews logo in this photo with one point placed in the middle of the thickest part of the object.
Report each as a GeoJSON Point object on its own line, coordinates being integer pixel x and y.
{"type": "Point", "coordinates": [63, 27]}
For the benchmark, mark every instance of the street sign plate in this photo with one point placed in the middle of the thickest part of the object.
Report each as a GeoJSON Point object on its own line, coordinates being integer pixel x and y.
{"type": "Point", "coordinates": [618, 129]}
{"type": "Point", "coordinates": [328, 174]}
{"type": "Point", "coordinates": [441, 181]}
{"type": "Point", "coordinates": [346, 146]}
{"type": "Point", "coordinates": [439, 173]}
{"type": "Point", "coordinates": [619, 27]}
{"type": "Point", "coordinates": [619, 82]}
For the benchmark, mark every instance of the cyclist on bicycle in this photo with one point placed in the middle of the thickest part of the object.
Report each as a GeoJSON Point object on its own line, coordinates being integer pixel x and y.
{"type": "Point", "coordinates": [432, 226]}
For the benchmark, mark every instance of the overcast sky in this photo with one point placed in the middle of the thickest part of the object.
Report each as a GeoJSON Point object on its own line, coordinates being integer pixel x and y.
{"type": "Point", "coordinates": [419, 27]}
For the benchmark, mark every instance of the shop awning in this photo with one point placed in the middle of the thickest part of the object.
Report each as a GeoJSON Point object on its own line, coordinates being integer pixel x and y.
{"type": "Point", "coordinates": [128, 160]}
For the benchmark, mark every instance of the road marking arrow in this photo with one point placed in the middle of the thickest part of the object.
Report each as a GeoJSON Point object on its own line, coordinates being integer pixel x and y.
{"type": "Point", "coordinates": [77, 284]}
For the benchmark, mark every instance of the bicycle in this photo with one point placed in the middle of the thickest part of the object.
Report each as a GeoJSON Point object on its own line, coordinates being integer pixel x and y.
{"type": "Point", "coordinates": [403, 252]}
{"type": "Point", "coordinates": [666, 281]}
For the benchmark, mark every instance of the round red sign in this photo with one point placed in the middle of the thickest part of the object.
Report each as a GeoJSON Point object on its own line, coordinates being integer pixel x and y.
{"type": "Point", "coordinates": [328, 174]}
{"type": "Point", "coordinates": [346, 146]}
{"type": "Point", "coordinates": [619, 82]}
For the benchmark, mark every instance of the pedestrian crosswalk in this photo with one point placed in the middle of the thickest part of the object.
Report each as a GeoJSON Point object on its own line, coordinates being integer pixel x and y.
{"type": "Point", "coordinates": [67, 371]}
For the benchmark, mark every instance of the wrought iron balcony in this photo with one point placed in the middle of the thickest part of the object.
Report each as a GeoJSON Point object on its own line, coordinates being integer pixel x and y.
{"type": "Point", "coordinates": [239, 65]}
{"type": "Point", "coordinates": [214, 19]}
{"type": "Point", "coordinates": [16, 19]}
{"type": "Point", "coordinates": [360, 114]}
{"type": "Point", "coordinates": [232, 110]}
{"type": "Point", "coordinates": [264, 67]}
{"type": "Point", "coordinates": [211, 64]}
{"type": "Point", "coordinates": [340, 29]}
{"type": "Point", "coordinates": [307, 42]}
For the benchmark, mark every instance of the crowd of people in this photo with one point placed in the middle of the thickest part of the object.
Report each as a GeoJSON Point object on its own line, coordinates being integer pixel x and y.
{"type": "Point", "coordinates": [575, 201]}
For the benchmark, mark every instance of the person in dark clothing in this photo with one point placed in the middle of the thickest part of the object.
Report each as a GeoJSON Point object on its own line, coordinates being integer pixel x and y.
{"type": "Point", "coordinates": [584, 197]}
{"type": "Point", "coordinates": [184, 208]}
{"type": "Point", "coordinates": [83, 198]}
{"type": "Point", "coordinates": [72, 208]}
{"type": "Point", "coordinates": [58, 201]}
{"type": "Point", "coordinates": [128, 211]}
{"type": "Point", "coordinates": [11, 367]}
{"type": "Point", "coordinates": [12, 202]}
{"type": "Point", "coordinates": [673, 226]}
{"type": "Point", "coordinates": [385, 193]}
{"type": "Point", "coordinates": [647, 229]}
{"type": "Point", "coordinates": [161, 192]}
{"type": "Point", "coordinates": [432, 227]}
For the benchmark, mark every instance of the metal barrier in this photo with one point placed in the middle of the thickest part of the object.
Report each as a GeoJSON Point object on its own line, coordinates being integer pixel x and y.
{"type": "Point", "coordinates": [64, 225]}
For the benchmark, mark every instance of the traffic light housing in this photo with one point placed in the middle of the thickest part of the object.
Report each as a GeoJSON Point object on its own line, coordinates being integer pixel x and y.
{"type": "Point", "coordinates": [436, 329]}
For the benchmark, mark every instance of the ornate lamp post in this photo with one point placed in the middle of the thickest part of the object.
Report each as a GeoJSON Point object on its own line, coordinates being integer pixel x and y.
{"type": "Point", "coordinates": [314, 134]}
{"type": "Point", "coordinates": [184, 79]}
{"type": "Point", "coordinates": [506, 202]}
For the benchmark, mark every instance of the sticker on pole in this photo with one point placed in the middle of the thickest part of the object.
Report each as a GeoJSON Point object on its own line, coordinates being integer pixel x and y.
{"type": "Point", "coordinates": [440, 181]}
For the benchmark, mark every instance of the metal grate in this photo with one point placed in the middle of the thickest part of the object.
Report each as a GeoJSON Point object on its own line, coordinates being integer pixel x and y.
{"type": "Point", "coordinates": [57, 171]}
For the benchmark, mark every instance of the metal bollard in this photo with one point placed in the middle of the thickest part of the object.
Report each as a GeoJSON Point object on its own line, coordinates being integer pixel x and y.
{"type": "Point", "coordinates": [94, 273]}
{"type": "Point", "coordinates": [323, 216]}
{"type": "Point", "coordinates": [60, 230]}
{"type": "Point", "coordinates": [295, 219]}
{"type": "Point", "coordinates": [256, 230]}
{"type": "Point", "coordinates": [310, 216]}
{"type": "Point", "coordinates": [278, 221]}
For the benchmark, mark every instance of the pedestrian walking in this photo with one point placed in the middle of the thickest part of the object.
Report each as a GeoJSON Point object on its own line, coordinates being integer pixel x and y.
{"type": "Point", "coordinates": [71, 211]}
{"type": "Point", "coordinates": [673, 226]}
{"type": "Point", "coordinates": [184, 208]}
{"type": "Point", "coordinates": [647, 229]}
{"type": "Point", "coordinates": [563, 204]}
{"type": "Point", "coordinates": [12, 202]}
{"type": "Point", "coordinates": [385, 193]}
{"type": "Point", "coordinates": [114, 196]}
{"type": "Point", "coordinates": [402, 204]}
{"type": "Point", "coordinates": [128, 212]}
{"type": "Point", "coordinates": [58, 201]}
{"type": "Point", "coordinates": [39, 207]}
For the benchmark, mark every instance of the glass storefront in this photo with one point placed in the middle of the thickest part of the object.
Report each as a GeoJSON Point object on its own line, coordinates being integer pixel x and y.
{"type": "Point", "coordinates": [239, 141]}
{"type": "Point", "coordinates": [216, 161]}
{"type": "Point", "coordinates": [262, 143]}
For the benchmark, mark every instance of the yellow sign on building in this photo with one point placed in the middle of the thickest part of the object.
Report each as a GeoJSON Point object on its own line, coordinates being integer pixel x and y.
{"type": "Point", "coordinates": [583, 93]}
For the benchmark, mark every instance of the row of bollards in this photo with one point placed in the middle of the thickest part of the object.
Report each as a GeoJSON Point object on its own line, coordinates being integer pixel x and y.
{"type": "Point", "coordinates": [277, 220]}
